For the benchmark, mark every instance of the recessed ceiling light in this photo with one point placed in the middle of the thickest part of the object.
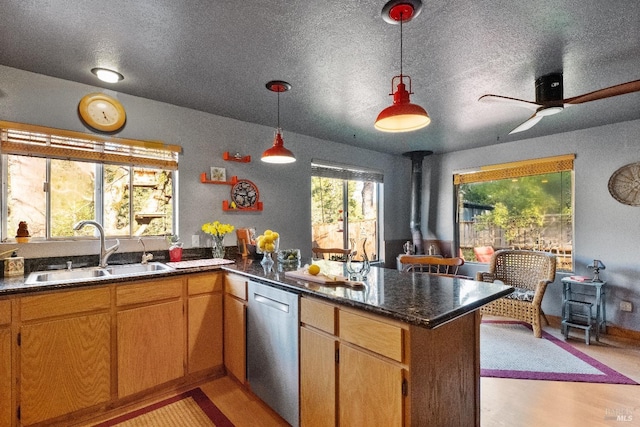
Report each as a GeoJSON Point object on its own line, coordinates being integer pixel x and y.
{"type": "Point", "coordinates": [108, 76]}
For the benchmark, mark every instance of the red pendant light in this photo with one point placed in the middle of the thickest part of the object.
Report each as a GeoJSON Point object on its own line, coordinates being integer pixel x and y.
{"type": "Point", "coordinates": [277, 153]}
{"type": "Point", "coordinates": [402, 116]}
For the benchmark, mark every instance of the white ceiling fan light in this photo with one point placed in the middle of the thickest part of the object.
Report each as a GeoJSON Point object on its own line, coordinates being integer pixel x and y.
{"type": "Point", "coordinates": [540, 113]}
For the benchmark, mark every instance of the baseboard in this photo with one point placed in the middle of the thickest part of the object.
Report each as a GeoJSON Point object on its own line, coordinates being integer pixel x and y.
{"type": "Point", "coordinates": [613, 330]}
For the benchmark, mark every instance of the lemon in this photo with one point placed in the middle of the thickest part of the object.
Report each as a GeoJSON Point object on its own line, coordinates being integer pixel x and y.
{"type": "Point", "coordinates": [269, 247]}
{"type": "Point", "coordinates": [275, 235]}
{"type": "Point", "coordinates": [314, 269]}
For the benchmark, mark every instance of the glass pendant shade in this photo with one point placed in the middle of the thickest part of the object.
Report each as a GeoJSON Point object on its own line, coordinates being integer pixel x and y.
{"type": "Point", "coordinates": [277, 153]}
{"type": "Point", "coordinates": [402, 116]}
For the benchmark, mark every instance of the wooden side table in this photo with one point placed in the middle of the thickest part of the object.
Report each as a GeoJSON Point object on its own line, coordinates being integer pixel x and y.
{"type": "Point", "coordinates": [581, 293]}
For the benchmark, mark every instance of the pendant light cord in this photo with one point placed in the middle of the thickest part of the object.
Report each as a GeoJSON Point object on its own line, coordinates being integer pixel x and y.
{"type": "Point", "coordinates": [401, 46]}
{"type": "Point", "coordinates": [278, 109]}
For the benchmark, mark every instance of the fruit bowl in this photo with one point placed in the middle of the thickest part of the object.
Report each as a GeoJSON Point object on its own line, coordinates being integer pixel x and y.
{"type": "Point", "coordinates": [289, 256]}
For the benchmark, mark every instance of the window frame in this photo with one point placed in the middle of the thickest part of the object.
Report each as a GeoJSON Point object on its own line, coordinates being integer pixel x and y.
{"type": "Point", "coordinates": [513, 170]}
{"type": "Point", "coordinates": [346, 173]}
{"type": "Point", "coordinates": [27, 140]}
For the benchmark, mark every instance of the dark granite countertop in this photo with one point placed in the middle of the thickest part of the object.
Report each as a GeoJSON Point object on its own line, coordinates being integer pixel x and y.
{"type": "Point", "coordinates": [419, 299]}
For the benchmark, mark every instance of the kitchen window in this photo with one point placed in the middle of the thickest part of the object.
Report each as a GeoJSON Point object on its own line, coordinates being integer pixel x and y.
{"type": "Point", "coordinates": [54, 178]}
{"type": "Point", "coordinates": [520, 205]}
{"type": "Point", "coordinates": [345, 207]}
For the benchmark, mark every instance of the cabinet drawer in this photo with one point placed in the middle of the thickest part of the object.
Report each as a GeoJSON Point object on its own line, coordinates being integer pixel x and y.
{"type": "Point", "coordinates": [318, 314]}
{"type": "Point", "coordinates": [205, 283]}
{"type": "Point", "coordinates": [5, 312]}
{"type": "Point", "coordinates": [377, 336]}
{"type": "Point", "coordinates": [61, 303]}
{"type": "Point", "coordinates": [148, 292]}
{"type": "Point", "coordinates": [236, 285]}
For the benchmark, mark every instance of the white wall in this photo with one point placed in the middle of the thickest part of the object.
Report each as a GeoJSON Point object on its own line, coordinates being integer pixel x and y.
{"type": "Point", "coordinates": [604, 228]}
{"type": "Point", "coordinates": [284, 189]}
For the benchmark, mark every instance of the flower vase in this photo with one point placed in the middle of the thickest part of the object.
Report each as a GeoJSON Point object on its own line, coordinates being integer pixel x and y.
{"type": "Point", "coordinates": [267, 260]}
{"type": "Point", "coordinates": [217, 246]}
{"type": "Point", "coordinates": [267, 257]}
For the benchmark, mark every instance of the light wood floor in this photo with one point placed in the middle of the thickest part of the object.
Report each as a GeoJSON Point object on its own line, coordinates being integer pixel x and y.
{"type": "Point", "coordinates": [504, 402]}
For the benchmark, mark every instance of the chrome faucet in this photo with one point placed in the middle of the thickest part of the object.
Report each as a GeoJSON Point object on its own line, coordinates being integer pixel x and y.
{"type": "Point", "coordinates": [145, 256]}
{"type": "Point", "coordinates": [105, 252]}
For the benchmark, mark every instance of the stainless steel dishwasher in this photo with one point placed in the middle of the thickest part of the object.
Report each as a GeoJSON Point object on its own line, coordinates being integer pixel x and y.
{"type": "Point", "coordinates": [272, 349]}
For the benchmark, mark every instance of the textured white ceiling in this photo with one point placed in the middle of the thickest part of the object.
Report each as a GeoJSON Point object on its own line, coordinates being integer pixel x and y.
{"type": "Point", "coordinates": [340, 56]}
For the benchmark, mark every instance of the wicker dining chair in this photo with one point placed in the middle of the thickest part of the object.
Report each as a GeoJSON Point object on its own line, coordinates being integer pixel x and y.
{"type": "Point", "coordinates": [529, 272]}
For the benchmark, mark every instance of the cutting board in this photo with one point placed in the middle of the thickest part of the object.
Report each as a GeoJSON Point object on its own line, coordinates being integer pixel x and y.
{"type": "Point", "coordinates": [328, 279]}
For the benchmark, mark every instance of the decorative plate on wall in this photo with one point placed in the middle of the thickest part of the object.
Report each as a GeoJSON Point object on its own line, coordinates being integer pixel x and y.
{"type": "Point", "coordinates": [624, 184]}
{"type": "Point", "coordinates": [245, 194]}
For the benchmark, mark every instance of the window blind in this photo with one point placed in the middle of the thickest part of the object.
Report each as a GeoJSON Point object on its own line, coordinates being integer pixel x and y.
{"type": "Point", "coordinates": [340, 171]}
{"type": "Point", "coordinates": [516, 169]}
{"type": "Point", "coordinates": [39, 141]}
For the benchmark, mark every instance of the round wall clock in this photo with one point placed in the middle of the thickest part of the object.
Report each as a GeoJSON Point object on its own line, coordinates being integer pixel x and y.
{"type": "Point", "coordinates": [624, 184]}
{"type": "Point", "coordinates": [102, 112]}
{"type": "Point", "coordinates": [245, 194]}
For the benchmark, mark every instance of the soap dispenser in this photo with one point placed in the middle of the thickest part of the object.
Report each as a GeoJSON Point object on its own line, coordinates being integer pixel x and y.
{"type": "Point", "coordinates": [14, 265]}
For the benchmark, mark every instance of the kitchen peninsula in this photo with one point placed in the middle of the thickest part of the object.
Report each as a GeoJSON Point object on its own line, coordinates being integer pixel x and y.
{"type": "Point", "coordinates": [401, 350]}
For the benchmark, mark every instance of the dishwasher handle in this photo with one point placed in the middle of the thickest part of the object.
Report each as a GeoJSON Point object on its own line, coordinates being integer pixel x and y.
{"type": "Point", "coordinates": [271, 303]}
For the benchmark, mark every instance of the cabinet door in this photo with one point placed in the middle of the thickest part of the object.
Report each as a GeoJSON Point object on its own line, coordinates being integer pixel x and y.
{"type": "Point", "coordinates": [205, 332]}
{"type": "Point", "coordinates": [150, 346]}
{"type": "Point", "coordinates": [235, 339]}
{"type": "Point", "coordinates": [5, 376]}
{"type": "Point", "coordinates": [317, 379]}
{"type": "Point", "coordinates": [65, 366]}
{"type": "Point", "coordinates": [370, 390]}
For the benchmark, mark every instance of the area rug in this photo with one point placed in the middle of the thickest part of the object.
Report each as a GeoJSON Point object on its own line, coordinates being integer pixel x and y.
{"type": "Point", "coordinates": [508, 349]}
{"type": "Point", "coordinates": [192, 408]}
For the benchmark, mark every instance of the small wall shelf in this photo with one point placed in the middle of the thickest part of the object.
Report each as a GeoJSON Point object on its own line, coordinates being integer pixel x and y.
{"type": "Point", "coordinates": [226, 207]}
{"type": "Point", "coordinates": [204, 180]}
{"type": "Point", "coordinates": [228, 157]}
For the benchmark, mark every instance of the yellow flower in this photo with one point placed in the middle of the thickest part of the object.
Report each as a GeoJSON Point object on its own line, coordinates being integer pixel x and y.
{"type": "Point", "coordinates": [215, 228]}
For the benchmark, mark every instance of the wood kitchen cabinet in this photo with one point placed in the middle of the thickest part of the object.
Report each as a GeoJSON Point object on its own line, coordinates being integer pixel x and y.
{"type": "Point", "coordinates": [70, 354]}
{"type": "Point", "coordinates": [366, 378]}
{"type": "Point", "coordinates": [150, 334]}
{"type": "Point", "coordinates": [204, 321]}
{"type": "Point", "coordinates": [5, 364]}
{"type": "Point", "coordinates": [371, 368]}
{"type": "Point", "coordinates": [358, 368]}
{"type": "Point", "coordinates": [65, 353]}
{"type": "Point", "coordinates": [347, 367]}
{"type": "Point", "coordinates": [318, 346]}
{"type": "Point", "coordinates": [235, 321]}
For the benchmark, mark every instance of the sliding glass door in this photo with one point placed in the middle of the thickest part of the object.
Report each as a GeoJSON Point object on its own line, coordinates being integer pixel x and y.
{"type": "Point", "coordinates": [344, 209]}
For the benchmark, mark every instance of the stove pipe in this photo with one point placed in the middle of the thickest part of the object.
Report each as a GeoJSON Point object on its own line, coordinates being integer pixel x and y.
{"type": "Point", "coordinates": [416, 197]}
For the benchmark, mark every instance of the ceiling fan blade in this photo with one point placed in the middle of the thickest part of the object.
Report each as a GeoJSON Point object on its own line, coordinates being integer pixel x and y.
{"type": "Point", "coordinates": [531, 121]}
{"type": "Point", "coordinates": [608, 92]}
{"type": "Point", "coordinates": [513, 101]}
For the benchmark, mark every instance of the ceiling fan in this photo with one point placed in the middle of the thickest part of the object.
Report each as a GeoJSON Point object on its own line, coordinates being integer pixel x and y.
{"type": "Point", "coordinates": [549, 98]}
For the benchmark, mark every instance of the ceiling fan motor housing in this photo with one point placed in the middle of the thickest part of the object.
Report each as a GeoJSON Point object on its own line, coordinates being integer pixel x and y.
{"type": "Point", "coordinates": [549, 91]}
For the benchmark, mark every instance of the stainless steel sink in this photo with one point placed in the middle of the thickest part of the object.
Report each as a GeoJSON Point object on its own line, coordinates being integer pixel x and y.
{"type": "Point", "coordinates": [76, 275]}
{"type": "Point", "coordinates": [133, 269]}
{"type": "Point", "coordinates": [95, 273]}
